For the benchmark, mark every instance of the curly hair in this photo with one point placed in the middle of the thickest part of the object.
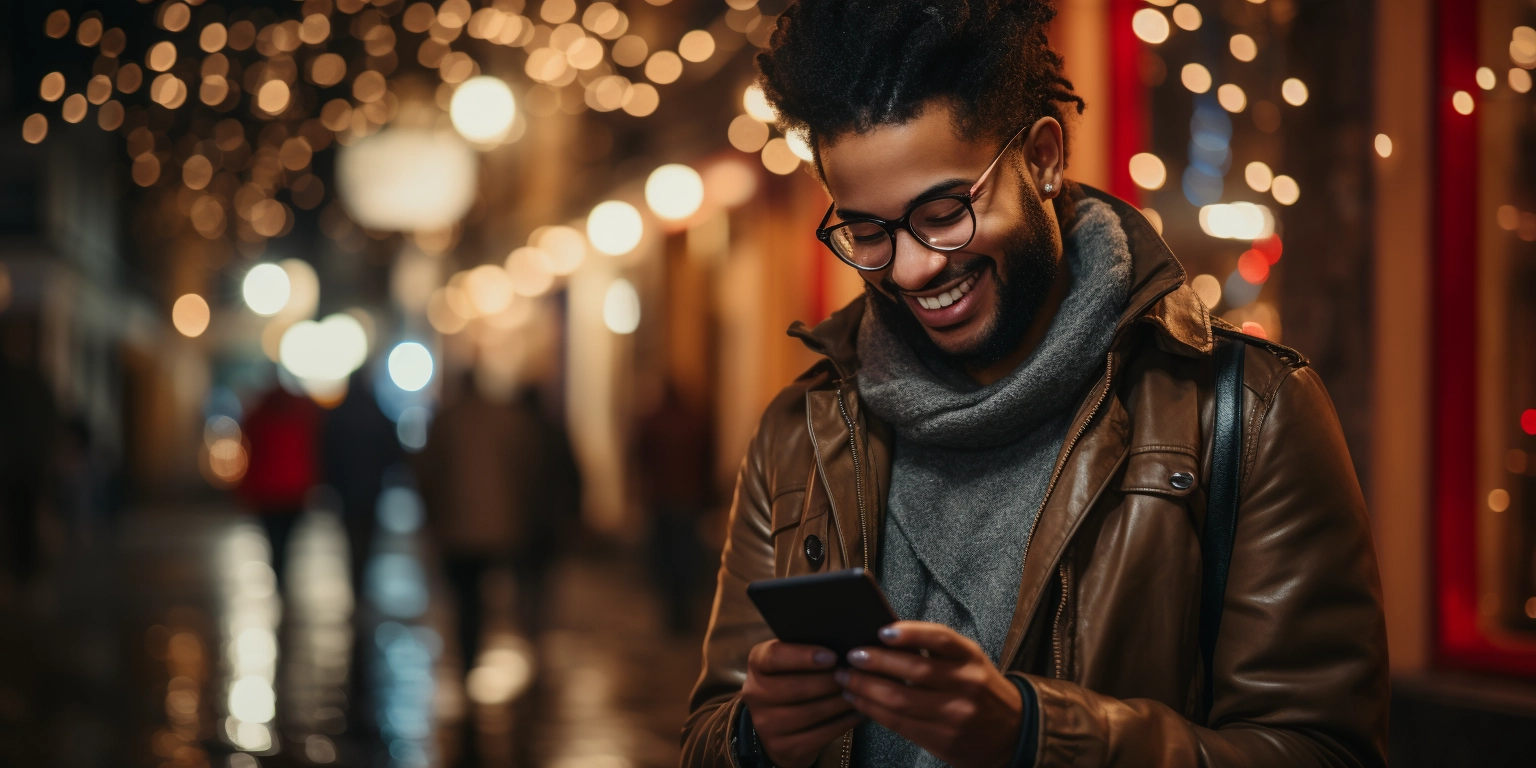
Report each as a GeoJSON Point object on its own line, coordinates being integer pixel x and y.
{"type": "Point", "coordinates": [839, 66]}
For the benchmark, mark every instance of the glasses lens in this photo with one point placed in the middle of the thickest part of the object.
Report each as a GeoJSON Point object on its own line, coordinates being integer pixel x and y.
{"type": "Point", "coordinates": [862, 243]}
{"type": "Point", "coordinates": [944, 223]}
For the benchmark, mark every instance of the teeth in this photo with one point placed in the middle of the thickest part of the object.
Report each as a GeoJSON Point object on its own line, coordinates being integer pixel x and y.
{"type": "Point", "coordinates": [945, 299]}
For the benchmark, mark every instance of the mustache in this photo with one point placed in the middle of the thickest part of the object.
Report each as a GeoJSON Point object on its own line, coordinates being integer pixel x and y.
{"type": "Point", "coordinates": [950, 273]}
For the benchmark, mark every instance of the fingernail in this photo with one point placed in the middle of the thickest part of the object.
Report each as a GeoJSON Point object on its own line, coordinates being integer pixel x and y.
{"type": "Point", "coordinates": [889, 633]}
{"type": "Point", "coordinates": [850, 698]}
{"type": "Point", "coordinates": [824, 657]}
{"type": "Point", "coordinates": [858, 657]}
{"type": "Point", "coordinates": [841, 676]}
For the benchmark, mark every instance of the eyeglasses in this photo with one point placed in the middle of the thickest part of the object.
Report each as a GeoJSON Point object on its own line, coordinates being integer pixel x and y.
{"type": "Point", "coordinates": [941, 222]}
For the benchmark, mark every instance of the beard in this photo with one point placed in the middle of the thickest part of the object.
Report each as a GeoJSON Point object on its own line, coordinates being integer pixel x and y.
{"type": "Point", "coordinates": [1032, 266]}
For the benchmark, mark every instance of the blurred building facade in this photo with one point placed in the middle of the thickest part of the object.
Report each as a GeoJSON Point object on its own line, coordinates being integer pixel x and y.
{"type": "Point", "coordinates": [589, 199]}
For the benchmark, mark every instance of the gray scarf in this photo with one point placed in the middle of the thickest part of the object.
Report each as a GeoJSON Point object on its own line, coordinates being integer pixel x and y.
{"type": "Point", "coordinates": [971, 464]}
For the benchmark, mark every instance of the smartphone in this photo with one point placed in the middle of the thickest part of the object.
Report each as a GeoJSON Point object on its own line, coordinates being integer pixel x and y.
{"type": "Point", "coordinates": [840, 610]}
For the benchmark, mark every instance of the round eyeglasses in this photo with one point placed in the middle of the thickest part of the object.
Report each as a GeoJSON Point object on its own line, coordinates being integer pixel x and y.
{"type": "Point", "coordinates": [940, 222]}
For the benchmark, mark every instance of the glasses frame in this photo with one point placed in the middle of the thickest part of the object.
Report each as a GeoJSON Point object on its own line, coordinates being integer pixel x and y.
{"type": "Point", "coordinates": [967, 199]}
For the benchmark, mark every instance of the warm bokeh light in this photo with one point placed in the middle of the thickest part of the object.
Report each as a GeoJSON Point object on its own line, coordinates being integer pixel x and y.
{"type": "Point", "coordinates": [1486, 79]}
{"type": "Point", "coordinates": [1462, 102]}
{"type": "Point", "coordinates": [800, 145]}
{"type": "Point", "coordinates": [324, 351]}
{"type": "Point", "coordinates": [1286, 190]}
{"type": "Point", "coordinates": [1151, 26]}
{"type": "Point", "coordinates": [748, 134]}
{"type": "Point", "coordinates": [1231, 98]}
{"type": "Point", "coordinates": [483, 109]}
{"type": "Point", "coordinates": [265, 289]}
{"type": "Point", "coordinates": [674, 191]}
{"type": "Point", "coordinates": [729, 183]}
{"type": "Point", "coordinates": [1187, 17]}
{"type": "Point", "coordinates": [1253, 267]}
{"type": "Point", "coordinates": [664, 67]}
{"type": "Point", "coordinates": [1243, 49]}
{"type": "Point", "coordinates": [213, 38]}
{"type": "Point", "coordinates": [641, 100]}
{"type": "Point", "coordinates": [621, 307]}
{"type": "Point", "coordinates": [779, 158]}
{"type": "Point", "coordinates": [1508, 217]}
{"type": "Point", "coordinates": [1148, 171]}
{"type": "Point", "coordinates": [1208, 288]}
{"type": "Point", "coordinates": [1236, 221]}
{"type": "Point", "coordinates": [1498, 500]}
{"type": "Point", "coordinates": [630, 51]}
{"type": "Point", "coordinates": [756, 104]}
{"type": "Point", "coordinates": [1383, 145]}
{"type": "Point", "coordinates": [615, 227]}
{"type": "Point", "coordinates": [410, 366]}
{"type": "Point", "coordinates": [1259, 176]}
{"type": "Point", "coordinates": [1519, 80]}
{"type": "Point", "coordinates": [190, 315]}
{"type": "Point", "coordinates": [565, 248]}
{"type": "Point", "coordinates": [529, 269]}
{"type": "Point", "coordinates": [52, 88]}
{"type": "Point", "coordinates": [161, 56]}
{"type": "Point", "coordinates": [1195, 77]}
{"type": "Point", "coordinates": [489, 288]}
{"type": "Point", "coordinates": [34, 129]}
{"type": "Point", "coordinates": [1271, 247]}
{"type": "Point", "coordinates": [1154, 218]}
{"type": "Point", "coordinates": [1294, 91]}
{"type": "Point", "coordinates": [407, 180]}
{"type": "Point", "coordinates": [303, 289]}
{"type": "Point", "coordinates": [1255, 330]}
{"type": "Point", "coordinates": [696, 46]}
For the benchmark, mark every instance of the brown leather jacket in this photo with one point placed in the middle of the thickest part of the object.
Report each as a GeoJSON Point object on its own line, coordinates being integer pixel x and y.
{"type": "Point", "coordinates": [1106, 624]}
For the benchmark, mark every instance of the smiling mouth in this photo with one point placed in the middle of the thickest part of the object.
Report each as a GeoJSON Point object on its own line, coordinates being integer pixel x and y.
{"type": "Point", "coordinates": [948, 297]}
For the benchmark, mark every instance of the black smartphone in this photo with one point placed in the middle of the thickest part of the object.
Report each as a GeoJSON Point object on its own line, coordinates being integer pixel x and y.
{"type": "Point", "coordinates": [841, 610]}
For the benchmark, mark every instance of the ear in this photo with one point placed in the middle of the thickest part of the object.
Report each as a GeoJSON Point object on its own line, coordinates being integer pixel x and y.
{"type": "Point", "coordinates": [1046, 156]}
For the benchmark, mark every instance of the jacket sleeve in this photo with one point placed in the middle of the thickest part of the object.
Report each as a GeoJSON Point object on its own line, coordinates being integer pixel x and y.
{"type": "Point", "coordinates": [734, 623]}
{"type": "Point", "coordinates": [1301, 660]}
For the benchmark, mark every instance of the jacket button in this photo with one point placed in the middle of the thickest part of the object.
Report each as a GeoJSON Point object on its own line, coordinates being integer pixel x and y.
{"type": "Point", "coordinates": [814, 552]}
{"type": "Point", "coordinates": [1181, 480]}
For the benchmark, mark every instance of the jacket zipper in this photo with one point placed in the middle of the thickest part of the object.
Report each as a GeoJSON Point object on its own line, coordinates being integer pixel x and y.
{"type": "Point", "coordinates": [1109, 371]}
{"type": "Point", "coordinates": [858, 476]}
{"type": "Point", "coordinates": [1057, 655]}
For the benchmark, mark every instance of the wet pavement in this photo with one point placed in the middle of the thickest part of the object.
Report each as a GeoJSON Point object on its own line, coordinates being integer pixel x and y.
{"type": "Point", "coordinates": [171, 644]}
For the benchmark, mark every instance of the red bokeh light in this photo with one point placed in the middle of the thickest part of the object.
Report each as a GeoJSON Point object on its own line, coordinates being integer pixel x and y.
{"type": "Point", "coordinates": [1254, 329]}
{"type": "Point", "coordinates": [1271, 247]}
{"type": "Point", "coordinates": [1528, 421]}
{"type": "Point", "coordinates": [1253, 266]}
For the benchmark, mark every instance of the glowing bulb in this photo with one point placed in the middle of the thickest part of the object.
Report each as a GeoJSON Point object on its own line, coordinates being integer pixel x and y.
{"type": "Point", "coordinates": [483, 109]}
{"type": "Point", "coordinates": [1150, 25]}
{"type": "Point", "coordinates": [621, 307]}
{"type": "Point", "coordinates": [410, 366]}
{"type": "Point", "coordinates": [756, 103]}
{"type": "Point", "coordinates": [1148, 171]}
{"type": "Point", "coordinates": [674, 191]}
{"type": "Point", "coordinates": [615, 227]}
{"type": "Point", "coordinates": [266, 289]}
{"type": "Point", "coordinates": [190, 315]}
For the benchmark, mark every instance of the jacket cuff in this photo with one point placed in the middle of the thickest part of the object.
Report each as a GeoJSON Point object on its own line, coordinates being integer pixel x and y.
{"type": "Point", "coordinates": [1029, 725]}
{"type": "Point", "coordinates": [746, 750]}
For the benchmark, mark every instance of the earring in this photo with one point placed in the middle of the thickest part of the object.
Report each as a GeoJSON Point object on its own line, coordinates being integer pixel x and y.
{"type": "Point", "coordinates": [1049, 188]}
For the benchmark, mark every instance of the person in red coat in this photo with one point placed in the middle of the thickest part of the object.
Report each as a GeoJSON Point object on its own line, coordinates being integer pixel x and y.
{"type": "Point", "coordinates": [282, 435]}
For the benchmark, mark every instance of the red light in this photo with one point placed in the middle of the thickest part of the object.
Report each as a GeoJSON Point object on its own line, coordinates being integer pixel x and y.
{"type": "Point", "coordinates": [1528, 421]}
{"type": "Point", "coordinates": [1271, 247]}
{"type": "Point", "coordinates": [1254, 329]}
{"type": "Point", "coordinates": [1254, 267]}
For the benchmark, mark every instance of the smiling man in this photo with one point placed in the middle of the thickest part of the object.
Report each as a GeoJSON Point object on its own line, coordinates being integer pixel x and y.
{"type": "Point", "coordinates": [1016, 430]}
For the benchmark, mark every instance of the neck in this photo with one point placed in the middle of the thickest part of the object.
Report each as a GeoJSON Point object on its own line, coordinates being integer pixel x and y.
{"type": "Point", "coordinates": [995, 371]}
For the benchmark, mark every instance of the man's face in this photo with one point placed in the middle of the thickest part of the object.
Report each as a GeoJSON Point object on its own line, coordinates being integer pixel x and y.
{"type": "Point", "coordinates": [997, 283]}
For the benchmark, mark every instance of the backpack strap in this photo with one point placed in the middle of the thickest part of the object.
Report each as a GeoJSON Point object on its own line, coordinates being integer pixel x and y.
{"type": "Point", "coordinates": [1221, 503]}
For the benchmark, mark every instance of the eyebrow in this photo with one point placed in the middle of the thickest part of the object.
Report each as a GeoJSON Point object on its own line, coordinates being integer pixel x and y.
{"type": "Point", "coordinates": [935, 189]}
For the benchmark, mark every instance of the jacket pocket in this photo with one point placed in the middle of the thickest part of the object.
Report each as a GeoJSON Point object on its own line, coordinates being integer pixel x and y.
{"type": "Point", "coordinates": [1163, 470]}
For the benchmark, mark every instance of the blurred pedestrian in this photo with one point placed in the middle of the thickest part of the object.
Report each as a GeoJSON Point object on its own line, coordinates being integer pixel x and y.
{"type": "Point", "coordinates": [358, 444]}
{"type": "Point", "coordinates": [497, 480]}
{"type": "Point", "coordinates": [282, 432]}
{"type": "Point", "coordinates": [675, 461]}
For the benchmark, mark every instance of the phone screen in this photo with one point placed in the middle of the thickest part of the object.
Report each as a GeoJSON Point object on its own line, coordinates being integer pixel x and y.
{"type": "Point", "coordinates": [840, 610]}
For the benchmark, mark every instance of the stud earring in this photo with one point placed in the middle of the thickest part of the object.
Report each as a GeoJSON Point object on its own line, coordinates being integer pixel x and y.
{"type": "Point", "coordinates": [1049, 188]}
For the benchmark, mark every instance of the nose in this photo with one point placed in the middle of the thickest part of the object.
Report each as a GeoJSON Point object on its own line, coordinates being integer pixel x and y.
{"type": "Point", "coordinates": [915, 264]}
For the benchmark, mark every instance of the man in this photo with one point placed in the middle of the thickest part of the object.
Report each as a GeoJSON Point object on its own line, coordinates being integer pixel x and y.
{"type": "Point", "coordinates": [1013, 432]}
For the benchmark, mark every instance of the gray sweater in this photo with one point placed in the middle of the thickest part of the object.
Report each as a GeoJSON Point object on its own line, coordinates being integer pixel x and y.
{"type": "Point", "coordinates": [971, 464]}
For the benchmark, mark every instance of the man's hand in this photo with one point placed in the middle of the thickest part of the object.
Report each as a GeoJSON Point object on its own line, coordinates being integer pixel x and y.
{"type": "Point", "coordinates": [952, 702]}
{"type": "Point", "coordinates": [797, 707]}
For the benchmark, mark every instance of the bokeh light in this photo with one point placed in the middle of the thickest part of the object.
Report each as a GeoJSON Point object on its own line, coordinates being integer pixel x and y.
{"type": "Point", "coordinates": [756, 104]}
{"type": "Point", "coordinates": [489, 289]}
{"type": "Point", "coordinates": [410, 366]}
{"type": "Point", "coordinates": [615, 227]}
{"type": "Point", "coordinates": [565, 248]}
{"type": "Point", "coordinates": [1231, 98]}
{"type": "Point", "coordinates": [265, 289]}
{"type": "Point", "coordinates": [1383, 145]}
{"type": "Point", "coordinates": [1286, 190]}
{"type": "Point", "coordinates": [324, 351]}
{"type": "Point", "coordinates": [1236, 221]}
{"type": "Point", "coordinates": [190, 315]}
{"type": "Point", "coordinates": [1208, 288]}
{"type": "Point", "coordinates": [674, 191]}
{"type": "Point", "coordinates": [1148, 171]}
{"type": "Point", "coordinates": [1151, 26]}
{"type": "Point", "coordinates": [1187, 17]}
{"type": "Point", "coordinates": [1259, 176]}
{"type": "Point", "coordinates": [621, 307]}
{"type": "Point", "coordinates": [1195, 77]}
{"type": "Point", "coordinates": [779, 158]}
{"type": "Point", "coordinates": [1462, 102]}
{"type": "Point", "coordinates": [483, 109]}
{"type": "Point", "coordinates": [1243, 48]}
{"type": "Point", "coordinates": [1294, 91]}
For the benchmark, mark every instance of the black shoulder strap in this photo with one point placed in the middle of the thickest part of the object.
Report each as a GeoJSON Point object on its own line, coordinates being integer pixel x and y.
{"type": "Point", "coordinates": [1221, 504]}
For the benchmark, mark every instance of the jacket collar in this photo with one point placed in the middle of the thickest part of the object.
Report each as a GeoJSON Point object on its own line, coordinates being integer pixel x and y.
{"type": "Point", "coordinates": [1159, 298]}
